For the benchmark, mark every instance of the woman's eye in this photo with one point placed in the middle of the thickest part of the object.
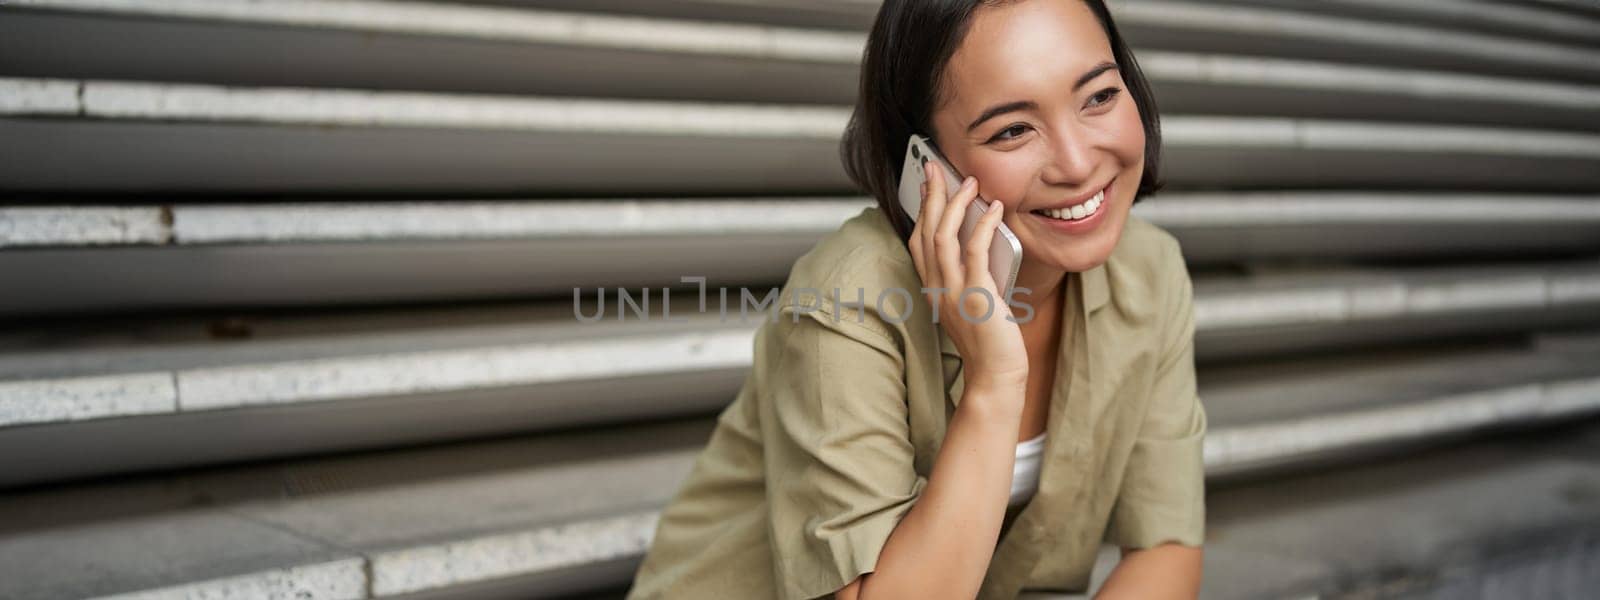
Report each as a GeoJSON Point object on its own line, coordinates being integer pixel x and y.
{"type": "Point", "coordinates": [1104, 96]}
{"type": "Point", "coordinates": [1019, 129]}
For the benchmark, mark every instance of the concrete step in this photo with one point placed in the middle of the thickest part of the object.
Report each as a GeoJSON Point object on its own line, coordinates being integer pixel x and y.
{"type": "Point", "coordinates": [1510, 19]}
{"type": "Point", "coordinates": [122, 258]}
{"type": "Point", "coordinates": [158, 393]}
{"type": "Point", "coordinates": [1506, 518]}
{"type": "Point", "coordinates": [1284, 415]}
{"type": "Point", "coordinates": [1252, 30]}
{"type": "Point", "coordinates": [1577, 8]}
{"type": "Point", "coordinates": [83, 397]}
{"type": "Point", "coordinates": [326, 253]}
{"type": "Point", "coordinates": [1525, 20]}
{"type": "Point", "coordinates": [465, 48]}
{"type": "Point", "coordinates": [506, 518]}
{"type": "Point", "coordinates": [1223, 84]}
{"type": "Point", "coordinates": [1243, 226]}
{"type": "Point", "coordinates": [823, 14]}
{"type": "Point", "coordinates": [442, 46]}
{"type": "Point", "coordinates": [1276, 310]}
{"type": "Point", "coordinates": [152, 137]}
{"type": "Point", "coordinates": [361, 526]}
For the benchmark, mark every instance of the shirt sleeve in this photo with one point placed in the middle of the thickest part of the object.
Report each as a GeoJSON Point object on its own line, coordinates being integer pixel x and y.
{"type": "Point", "coordinates": [1162, 497]}
{"type": "Point", "coordinates": [837, 450]}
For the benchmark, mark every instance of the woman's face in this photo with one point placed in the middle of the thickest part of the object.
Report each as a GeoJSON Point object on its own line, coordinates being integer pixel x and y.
{"type": "Point", "coordinates": [1037, 111]}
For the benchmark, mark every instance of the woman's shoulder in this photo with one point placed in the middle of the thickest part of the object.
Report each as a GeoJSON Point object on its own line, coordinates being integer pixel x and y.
{"type": "Point", "coordinates": [855, 269]}
{"type": "Point", "coordinates": [1147, 267]}
{"type": "Point", "coordinates": [863, 254]}
{"type": "Point", "coordinates": [863, 239]}
{"type": "Point", "coordinates": [1147, 246]}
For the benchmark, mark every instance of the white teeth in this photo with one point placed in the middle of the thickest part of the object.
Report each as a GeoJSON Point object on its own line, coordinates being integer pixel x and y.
{"type": "Point", "coordinates": [1077, 212]}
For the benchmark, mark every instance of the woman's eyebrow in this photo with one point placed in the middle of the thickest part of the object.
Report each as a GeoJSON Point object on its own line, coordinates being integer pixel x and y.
{"type": "Point", "coordinates": [1000, 109]}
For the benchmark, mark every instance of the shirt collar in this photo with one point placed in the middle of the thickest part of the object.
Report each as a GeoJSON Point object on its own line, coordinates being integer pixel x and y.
{"type": "Point", "coordinates": [1095, 295]}
{"type": "Point", "coordinates": [1095, 290]}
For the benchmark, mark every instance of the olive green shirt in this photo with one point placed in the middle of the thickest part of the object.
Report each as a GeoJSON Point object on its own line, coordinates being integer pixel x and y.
{"type": "Point", "coordinates": [832, 438]}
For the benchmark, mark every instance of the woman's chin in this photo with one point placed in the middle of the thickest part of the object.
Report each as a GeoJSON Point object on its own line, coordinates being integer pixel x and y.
{"type": "Point", "coordinates": [1077, 255]}
{"type": "Point", "coordinates": [1076, 263]}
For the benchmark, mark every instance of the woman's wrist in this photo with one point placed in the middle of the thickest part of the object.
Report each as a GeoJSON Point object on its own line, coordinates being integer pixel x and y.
{"type": "Point", "coordinates": [997, 398]}
{"type": "Point", "coordinates": [1010, 381]}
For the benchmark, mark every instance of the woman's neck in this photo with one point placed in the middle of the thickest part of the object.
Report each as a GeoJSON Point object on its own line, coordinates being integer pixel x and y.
{"type": "Point", "coordinates": [1044, 283]}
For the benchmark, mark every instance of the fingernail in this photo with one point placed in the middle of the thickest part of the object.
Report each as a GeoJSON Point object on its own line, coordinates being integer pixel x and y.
{"type": "Point", "coordinates": [994, 206]}
{"type": "Point", "coordinates": [967, 184]}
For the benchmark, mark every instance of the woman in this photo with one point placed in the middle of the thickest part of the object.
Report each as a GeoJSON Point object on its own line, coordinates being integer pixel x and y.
{"type": "Point", "coordinates": [885, 447]}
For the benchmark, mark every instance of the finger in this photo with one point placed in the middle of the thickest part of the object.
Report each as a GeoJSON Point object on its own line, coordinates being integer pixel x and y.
{"type": "Point", "coordinates": [932, 207]}
{"type": "Point", "coordinates": [933, 197]}
{"type": "Point", "coordinates": [915, 246]}
{"type": "Point", "coordinates": [947, 242]}
{"type": "Point", "coordinates": [977, 251]}
{"type": "Point", "coordinates": [918, 244]}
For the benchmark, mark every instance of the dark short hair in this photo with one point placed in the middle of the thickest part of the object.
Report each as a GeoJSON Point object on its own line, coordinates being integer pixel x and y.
{"type": "Point", "coordinates": [901, 70]}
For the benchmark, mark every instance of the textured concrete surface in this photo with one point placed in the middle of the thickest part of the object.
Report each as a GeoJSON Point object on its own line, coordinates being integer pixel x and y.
{"type": "Point", "coordinates": [383, 143]}
{"type": "Point", "coordinates": [193, 554]}
{"type": "Point", "coordinates": [1235, 448]}
{"type": "Point", "coordinates": [90, 397]}
{"type": "Point", "coordinates": [76, 226]}
{"type": "Point", "coordinates": [1179, 212]}
{"type": "Point", "coordinates": [1242, 26]}
{"type": "Point", "coordinates": [467, 514]}
{"type": "Point", "coordinates": [1417, 525]}
{"type": "Point", "coordinates": [88, 380]}
{"type": "Point", "coordinates": [1473, 15]}
{"type": "Point", "coordinates": [672, 35]}
{"type": "Point", "coordinates": [1280, 389]}
{"type": "Point", "coordinates": [334, 581]}
{"type": "Point", "coordinates": [374, 366]}
{"type": "Point", "coordinates": [1386, 137]}
{"type": "Point", "coordinates": [306, 106]}
{"type": "Point", "coordinates": [1511, 518]}
{"type": "Point", "coordinates": [497, 23]}
{"type": "Point", "coordinates": [389, 221]}
{"type": "Point", "coordinates": [1311, 296]}
{"type": "Point", "coordinates": [356, 526]}
{"type": "Point", "coordinates": [235, 156]}
{"type": "Point", "coordinates": [1335, 78]}
{"type": "Point", "coordinates": [39, 96]}
{"type": "Point", "coordinates": [425, 372]}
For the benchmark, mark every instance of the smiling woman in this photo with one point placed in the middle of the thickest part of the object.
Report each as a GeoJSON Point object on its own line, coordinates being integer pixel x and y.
{"type": "Point", "coordinates": [875, 455]}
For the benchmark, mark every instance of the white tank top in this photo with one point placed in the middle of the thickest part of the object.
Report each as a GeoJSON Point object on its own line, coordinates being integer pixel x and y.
{"type": "Point", "coordinates": [1025, 474]}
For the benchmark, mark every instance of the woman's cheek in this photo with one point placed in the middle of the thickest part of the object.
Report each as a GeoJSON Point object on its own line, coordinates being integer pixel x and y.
{"type": "Point", "coordinates": [993, 184]}
{"type": "Point", "coordinates": [1008, 176]}
{"type": "Point", "coordinates": [1022, 171]}
{"type": "Point", "coordinates": [1130, 132]}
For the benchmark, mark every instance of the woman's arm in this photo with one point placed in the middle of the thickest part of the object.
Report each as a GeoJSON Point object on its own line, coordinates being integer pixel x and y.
{"type": "Point", "coordinates": [943, 545]}
{"type": "Point", "coordinates": [1165, 571]}
{"type": "Point", "coordinates": [942, 548]}
{"type": "Point", "coordinates": [1159, 520]}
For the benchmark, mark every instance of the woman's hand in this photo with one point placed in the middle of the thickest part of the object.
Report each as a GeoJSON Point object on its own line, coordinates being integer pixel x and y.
{"type": "Point", "coordinates": [991, 347]}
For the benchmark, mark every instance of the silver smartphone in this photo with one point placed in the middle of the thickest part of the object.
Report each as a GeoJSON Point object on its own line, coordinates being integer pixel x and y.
{"type": "Point", "coordinates": [1005, 252]}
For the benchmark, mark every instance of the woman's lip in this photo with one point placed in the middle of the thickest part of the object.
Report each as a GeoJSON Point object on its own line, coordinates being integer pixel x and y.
{"type": "Point", "coordinates": [1075, 203]}
{"type": "Point", "coordinates": [1084, 225]}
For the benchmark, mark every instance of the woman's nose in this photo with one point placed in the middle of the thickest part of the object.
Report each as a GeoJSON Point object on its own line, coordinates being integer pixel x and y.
{"type": "Point", "coordinates": [1071, 161]}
